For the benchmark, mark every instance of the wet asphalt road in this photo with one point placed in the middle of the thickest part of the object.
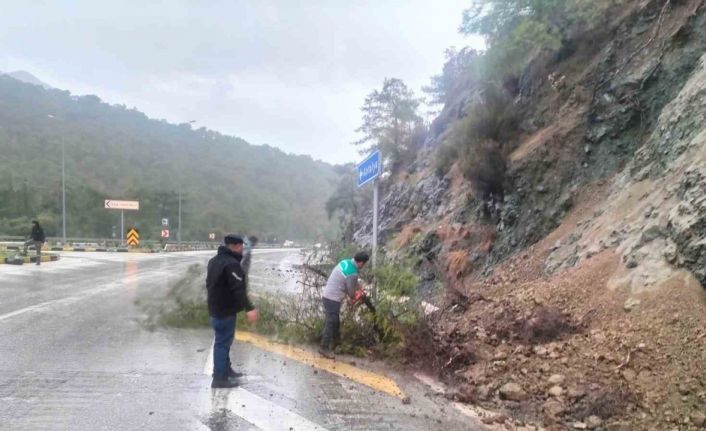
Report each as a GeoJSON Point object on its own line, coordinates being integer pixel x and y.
{"type": "Point", "coordinates": [75, 356]}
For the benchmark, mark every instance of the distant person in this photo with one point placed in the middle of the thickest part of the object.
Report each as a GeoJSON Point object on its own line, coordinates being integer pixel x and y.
{"type": "Point", "coordinates": [247, 254]}
{"type": "Point", "coordinates": [227, 295]}
{"type": "Point", "coordinates": [37, 238]}
{"type": "Point", "coordinates": [342, 282]}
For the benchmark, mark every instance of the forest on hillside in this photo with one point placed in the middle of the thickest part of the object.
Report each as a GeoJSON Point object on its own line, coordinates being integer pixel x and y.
{"type": "Point", "coordinates": [112, 152]}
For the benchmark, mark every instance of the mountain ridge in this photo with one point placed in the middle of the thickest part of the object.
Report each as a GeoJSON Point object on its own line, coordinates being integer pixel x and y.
{"type": "Point", "coordinates": [116, 152]}
{"type": "Point", "coordinates": [27, 78]}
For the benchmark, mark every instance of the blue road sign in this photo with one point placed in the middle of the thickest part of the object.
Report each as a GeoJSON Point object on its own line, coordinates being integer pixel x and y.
{"type": "Point", "coordinates": [370, 168]}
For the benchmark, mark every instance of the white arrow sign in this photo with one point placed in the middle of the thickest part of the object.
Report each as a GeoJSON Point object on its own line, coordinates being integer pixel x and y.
{"type": "Point", "coordinates": [122, 205]}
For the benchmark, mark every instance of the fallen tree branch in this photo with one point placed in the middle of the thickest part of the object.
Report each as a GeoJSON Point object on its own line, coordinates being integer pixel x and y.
{"type": "Point", "coordinates": [303, 283]}
{"type": "Point", "coordinates": [315, 270]}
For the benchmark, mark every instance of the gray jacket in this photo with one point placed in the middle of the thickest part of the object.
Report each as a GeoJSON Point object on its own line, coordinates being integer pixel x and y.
{"type": "Point", "coordinates": [342, 281]}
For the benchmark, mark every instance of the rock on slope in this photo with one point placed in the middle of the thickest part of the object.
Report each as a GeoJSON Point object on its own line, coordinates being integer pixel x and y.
{"type": "Point", "coordinates": [585, 293]}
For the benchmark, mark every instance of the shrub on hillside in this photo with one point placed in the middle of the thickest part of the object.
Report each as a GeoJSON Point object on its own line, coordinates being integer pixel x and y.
{"type": "Point", "coordinates": [446, 156]}
{"type": "Point", "coordinates": [462, 68]}
{"type": "Point", "coordinates": [493, 116]}
{"type": "Point", "coordinates": [484, 165]}
{"type": "Point", "coordinates": [477, 141]}
{"type": "Point", "coordinates": [517, 31]}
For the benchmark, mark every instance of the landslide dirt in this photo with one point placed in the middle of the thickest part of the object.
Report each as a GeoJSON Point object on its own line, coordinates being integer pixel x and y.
{"type": "Point", "coordinates": [578, 304]}
{"type": "Point", "coordinates": [577, 353]}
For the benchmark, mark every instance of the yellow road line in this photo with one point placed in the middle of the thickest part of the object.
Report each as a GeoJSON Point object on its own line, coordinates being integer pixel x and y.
{"type": "Point", "coordinates": [364, 377]}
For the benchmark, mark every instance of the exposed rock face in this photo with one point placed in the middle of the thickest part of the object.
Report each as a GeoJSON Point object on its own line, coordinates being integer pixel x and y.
{"type": "Point", "coordinates": [406, 202]}
{"type": "Point", "coordinates": [656, 211]}
{"type": "Point", "coordinates": [603, 222]}
{"type": "Point", "coordinates": [640, 130]}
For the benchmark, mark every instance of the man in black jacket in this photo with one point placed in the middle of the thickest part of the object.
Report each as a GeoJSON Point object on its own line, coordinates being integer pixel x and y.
{"type": "Point", "coordinates": [37, 238]}
{"type": "Point", "coordinates": [227, 296]}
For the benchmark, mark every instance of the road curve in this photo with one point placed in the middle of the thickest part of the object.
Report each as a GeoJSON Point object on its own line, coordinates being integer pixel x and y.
{"type": "Point", "coordinates": [74, 355]}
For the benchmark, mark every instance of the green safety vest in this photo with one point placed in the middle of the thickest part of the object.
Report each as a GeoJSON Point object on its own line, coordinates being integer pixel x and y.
{"type": "Point", "coordinates": [348, 267]}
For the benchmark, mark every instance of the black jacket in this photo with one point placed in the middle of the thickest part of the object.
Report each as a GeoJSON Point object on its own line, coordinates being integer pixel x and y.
{"type": "Point", "coordinates": [37, 234]}
{"type": "Point", "coordinates": [227, 285]}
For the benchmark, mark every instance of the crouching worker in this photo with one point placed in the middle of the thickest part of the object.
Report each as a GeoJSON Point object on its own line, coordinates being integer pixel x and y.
{"type": "Point", "coordinates": [342, 283]}
{"type": "Point", "coordinates": [227, 296]}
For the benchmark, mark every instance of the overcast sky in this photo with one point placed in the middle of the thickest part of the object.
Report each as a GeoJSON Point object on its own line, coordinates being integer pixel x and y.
{"type": "Point", "coordinates": [292, 74]}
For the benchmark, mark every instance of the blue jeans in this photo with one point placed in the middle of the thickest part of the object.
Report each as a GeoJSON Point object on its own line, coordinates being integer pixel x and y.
{"type": "Point", "coordinates": [225, 330]}
{"type": "Point", "coordinates": [332, 324]}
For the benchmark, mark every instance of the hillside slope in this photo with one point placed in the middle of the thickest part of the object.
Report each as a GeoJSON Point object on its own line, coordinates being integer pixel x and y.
{"type": "Point", "coordinates": [27, 78]}
{"type": "Point", "coordinates": [119, 153]}
{"type": "Point", "coordinates": [573, 297]}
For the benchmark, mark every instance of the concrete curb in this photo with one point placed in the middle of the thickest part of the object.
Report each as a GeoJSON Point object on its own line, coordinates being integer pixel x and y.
{"type": "Point", "coordinates": [11, 260]}
{"type": "Point", "coordinates": [105, 250]}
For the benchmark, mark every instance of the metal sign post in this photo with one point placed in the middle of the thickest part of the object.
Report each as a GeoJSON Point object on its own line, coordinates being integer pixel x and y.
{"type": "Point", "coordinates": [122, 225]}
{"type": "Point", "coordinates": [63, 195]}
{"type": "Point", "coordinates": [375, 224]}
{"type": "Point", "coordinates": [111, 204]}
{"type": "Point", "coordinates": [369, 170]}
{"type": "Point", "coordinates": [179, 231]}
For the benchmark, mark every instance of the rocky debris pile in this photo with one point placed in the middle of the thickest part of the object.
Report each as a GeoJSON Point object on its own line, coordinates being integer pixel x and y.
{"type": "Point", "coordinates": [604, 368]}
{"type": "Point", "coordinates": [581, 306]}
{"type": "Point", "coordinates": [656, 210]}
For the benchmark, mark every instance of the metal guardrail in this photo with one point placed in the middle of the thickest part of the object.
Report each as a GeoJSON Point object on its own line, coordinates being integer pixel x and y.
{"type": "Point", "coordinates": [103, 244]}
{"type": "Point", "coordinates": [99, 242]}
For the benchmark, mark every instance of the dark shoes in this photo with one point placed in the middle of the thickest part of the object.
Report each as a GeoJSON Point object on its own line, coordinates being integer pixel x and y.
{"type": "Point", "coordinates": [224, 384]}
{"type": "Point", "coordinates": [326, 353]}
{"type": "Point", "coordinates": [232, 374]}
{"type": "Point", "coordinates": [229, 382]}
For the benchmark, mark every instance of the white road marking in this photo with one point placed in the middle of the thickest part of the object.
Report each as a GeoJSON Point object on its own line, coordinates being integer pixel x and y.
{"type": "Point", "coordinates": [63, 301]}
{"type": "Point", "coordinates": [208, 366]}
{"type": "Point", "coordinates": [74, 261]}
{"type": "Point", "coordinates": [264, 414]}
{"type": "Point", "coordinates": [47, 305]}
{"type": "Point", "coordinates": [260, 412]}
{"type": "Point", "coordinates": [200, 426]}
